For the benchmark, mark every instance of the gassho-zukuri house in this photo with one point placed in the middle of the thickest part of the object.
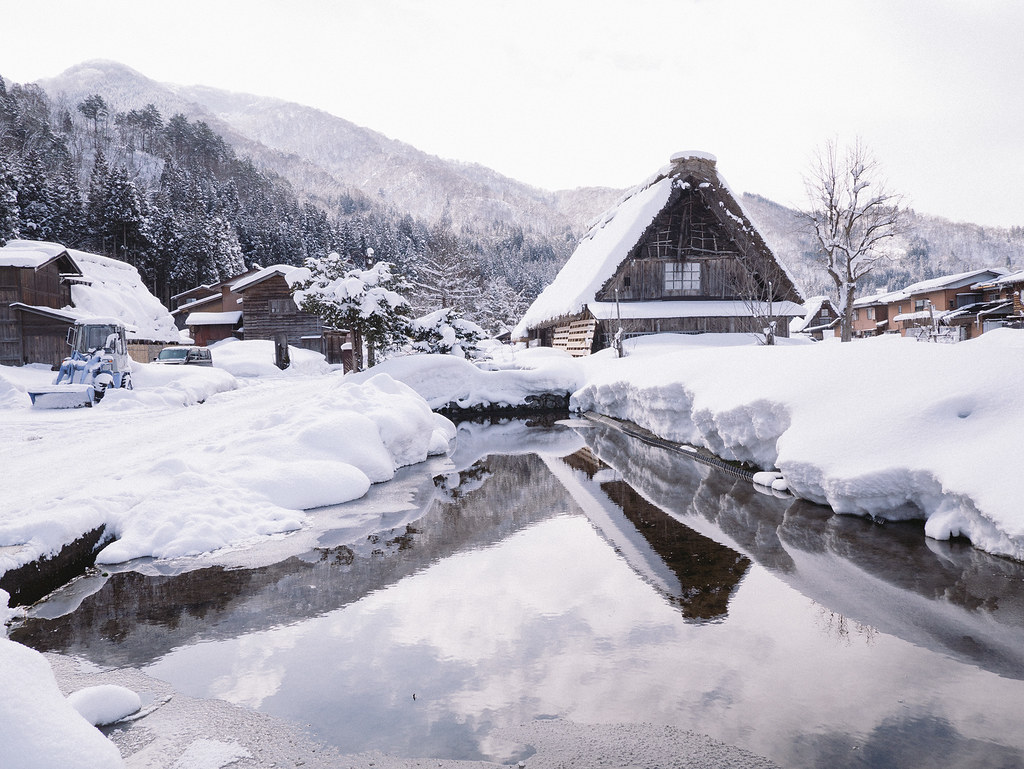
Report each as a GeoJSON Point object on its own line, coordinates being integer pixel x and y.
{"type": "Point", "coordinates": [675, 255]}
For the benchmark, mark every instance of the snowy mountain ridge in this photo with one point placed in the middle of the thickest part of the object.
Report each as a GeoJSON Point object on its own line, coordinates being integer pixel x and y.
{"type": "Point", "coordinates": [326, 158]}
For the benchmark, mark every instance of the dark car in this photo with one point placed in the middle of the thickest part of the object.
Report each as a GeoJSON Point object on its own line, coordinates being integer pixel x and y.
{"type": "Point", "coordinates": [179, 356]}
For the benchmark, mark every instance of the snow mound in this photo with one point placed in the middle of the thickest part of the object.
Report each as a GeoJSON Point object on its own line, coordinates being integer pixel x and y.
{"type": "Point", "coordinates": [105, 704]}
{"type": "Point", "coordinates": [38, 726]}
{"type": "Point", "coordinates": [445, 379]}
{"type": "Point", "coordinates": [887, 427]}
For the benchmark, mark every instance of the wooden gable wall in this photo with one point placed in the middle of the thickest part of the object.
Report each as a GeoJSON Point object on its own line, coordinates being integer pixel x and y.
{"type": "Point", "coordinates": [694, 228]}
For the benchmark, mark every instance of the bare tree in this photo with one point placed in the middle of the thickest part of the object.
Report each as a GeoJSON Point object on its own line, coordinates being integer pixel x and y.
{"type": "Point", "coordinates": [851, 215]}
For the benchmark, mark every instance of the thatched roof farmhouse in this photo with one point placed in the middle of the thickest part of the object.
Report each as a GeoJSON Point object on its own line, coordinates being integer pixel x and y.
{"type": "Point", "coordinates": [676, 254]}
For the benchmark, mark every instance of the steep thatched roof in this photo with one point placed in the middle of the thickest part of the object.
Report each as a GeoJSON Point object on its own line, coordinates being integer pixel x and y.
{"type": "Point", "coordinates": [616, 235]}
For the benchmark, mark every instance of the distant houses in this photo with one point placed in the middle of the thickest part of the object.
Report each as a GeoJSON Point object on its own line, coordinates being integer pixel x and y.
{"type": "Point", "coordinates": [257, 305]}
{"type": "Point", "coordinates": [948, 308]}
{"type": "Point", "coordinates": [45, 288]}
{"type": "Point", "coordinates": [676, 254]}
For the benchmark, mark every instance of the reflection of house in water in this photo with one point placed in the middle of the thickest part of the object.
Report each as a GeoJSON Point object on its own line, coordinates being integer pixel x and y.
{"type": "Point", "coordinates": [694, 572]}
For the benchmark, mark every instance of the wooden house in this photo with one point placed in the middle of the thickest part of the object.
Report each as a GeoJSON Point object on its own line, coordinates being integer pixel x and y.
{"type": "Point", "coordinates": [820, 321]}
{"type": "Point", "coordinates": [208, 327]}
{"type": "Point", "coordinates": [45, 288]}
{"type": "Point", "coordinates": [269, 312]}
{"type": "Point", "coordinates": [210, 298]}
{"type": "Point", "coordinates": [677, 254]}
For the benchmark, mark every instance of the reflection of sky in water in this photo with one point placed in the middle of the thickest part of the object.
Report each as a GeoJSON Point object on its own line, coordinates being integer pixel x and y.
{"type": "Point", "coordinates": [551, 621]}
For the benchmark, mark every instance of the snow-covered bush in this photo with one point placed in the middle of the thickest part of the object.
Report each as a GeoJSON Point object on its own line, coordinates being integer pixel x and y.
{"type": "Point", "coordinates": [444, 332]}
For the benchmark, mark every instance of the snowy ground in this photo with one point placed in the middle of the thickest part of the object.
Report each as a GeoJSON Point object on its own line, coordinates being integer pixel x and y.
{"type": "Point", "coordinates": [885, 427]}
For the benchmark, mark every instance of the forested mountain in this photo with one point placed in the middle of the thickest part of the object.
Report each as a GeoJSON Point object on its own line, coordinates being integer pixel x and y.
{"type": "Point", "coordinates": [190, 184]}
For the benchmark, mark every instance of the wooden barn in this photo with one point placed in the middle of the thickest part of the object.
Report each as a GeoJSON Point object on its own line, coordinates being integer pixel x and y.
{"type": "Point", "coordinates": [675, 255]}
{"type": "Point", "coordinates": [820, 321]}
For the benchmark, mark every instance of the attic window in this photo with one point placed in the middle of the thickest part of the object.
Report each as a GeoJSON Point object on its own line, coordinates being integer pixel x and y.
{"type": "Point", "coordinates": [682, 278]}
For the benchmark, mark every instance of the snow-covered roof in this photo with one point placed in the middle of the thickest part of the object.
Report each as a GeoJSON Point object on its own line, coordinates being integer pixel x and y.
{"type": "Point", "coordinates": [598, 255]}
{"type": "Point", "coordinates": [614, 234]}
{"type": "Point", "coordinates": [213, 318]}
{"type": "Point", "coordinates": [116, 289]}
{"type": "Point", "coordinates": [874, 300]}
{"type": "Point", "coordinates": [958, 280]}
{"type": "Point", "coordinates": [811, 308]}
{"type": "Point", "coordinates": [29, 253]}
{"type": "Point", "coordinates": [262, 275]}
{"type": "Point", "coordinates": [697, 308]}
{"type": "Point", "coordinates": [1013, 277]}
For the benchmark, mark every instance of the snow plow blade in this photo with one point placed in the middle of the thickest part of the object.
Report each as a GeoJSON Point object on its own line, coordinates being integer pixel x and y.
{"type": "Point", "coordinates": [63, 397]}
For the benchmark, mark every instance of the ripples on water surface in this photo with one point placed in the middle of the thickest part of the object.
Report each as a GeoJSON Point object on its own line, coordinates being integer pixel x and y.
{"type": "Point", "coordinates": [549, 571]}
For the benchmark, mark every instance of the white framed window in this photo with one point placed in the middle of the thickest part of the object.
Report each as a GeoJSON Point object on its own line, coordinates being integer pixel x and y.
{"type": "Point", "coordinates": [871, 313]}
{"type": "Point", "coordinates": [682, 277]}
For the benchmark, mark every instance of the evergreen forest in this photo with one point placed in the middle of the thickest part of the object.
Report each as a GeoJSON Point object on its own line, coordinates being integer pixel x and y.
{"type": "Point", "coordinates": [171, 197]}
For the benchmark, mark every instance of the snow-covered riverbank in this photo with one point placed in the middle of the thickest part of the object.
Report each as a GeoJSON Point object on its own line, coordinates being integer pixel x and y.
{"type": "Point", "coordinates": [885, 427]}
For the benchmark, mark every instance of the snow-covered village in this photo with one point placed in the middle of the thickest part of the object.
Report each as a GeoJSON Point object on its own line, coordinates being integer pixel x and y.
{"type": "Point", "coordinates": [321, 449]}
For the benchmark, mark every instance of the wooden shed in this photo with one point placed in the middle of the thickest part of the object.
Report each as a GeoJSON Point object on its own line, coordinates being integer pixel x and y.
{"type": "Point", "coordinates": [676, 254]}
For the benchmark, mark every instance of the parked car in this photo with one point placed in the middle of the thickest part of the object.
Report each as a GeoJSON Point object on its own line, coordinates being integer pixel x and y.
{"type": "Point", "coordinates": [180, 356]}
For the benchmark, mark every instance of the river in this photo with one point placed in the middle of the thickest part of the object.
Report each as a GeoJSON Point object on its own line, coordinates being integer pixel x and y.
{"type": "Point", "coordinates": [569, 571]}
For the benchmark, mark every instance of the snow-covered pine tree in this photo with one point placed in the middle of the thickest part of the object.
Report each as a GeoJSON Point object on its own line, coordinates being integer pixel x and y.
{"type": "Point", "coordinates": [9, 214]}
{"type": "Point", "coordinates": [35, 203]}
{"type": "Point", "coordinates": [367, 302]}
{"type": "Point", "coordinates": [125, 222]}
{"type": "Point", "coordinates": [68, 219]}
{"type": "Point", "coordinates": [444, 332]}
{"type": "Point", "coordinates": [96, 201]}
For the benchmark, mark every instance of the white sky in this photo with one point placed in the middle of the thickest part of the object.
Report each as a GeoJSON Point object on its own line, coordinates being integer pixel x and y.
{"type": "Point", "coordinates": [567, 93]}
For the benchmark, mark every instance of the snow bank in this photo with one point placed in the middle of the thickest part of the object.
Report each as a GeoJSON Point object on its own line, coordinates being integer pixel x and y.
{"type": "Point", "coordinates": [886, 427]}
{"type": "Point", "coordinates": [255, 357]}
{"type": "Point", "coordinates": [506, 381]}
{"type": "Point", "coordinates": [171, 482]}
{"type": "Point", "coordinates": [38, 726]}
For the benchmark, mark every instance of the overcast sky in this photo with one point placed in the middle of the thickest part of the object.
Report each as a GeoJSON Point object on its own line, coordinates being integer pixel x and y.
{"type": "Point", "coordinates": [568, 93]}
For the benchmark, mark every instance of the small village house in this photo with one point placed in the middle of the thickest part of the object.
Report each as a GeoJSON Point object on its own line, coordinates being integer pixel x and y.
{"type": "Point", "coordinates": [211, 312]}
{"type": "Point", "coordinates": [871, 314]}
{"type": "Point", "coordinates": [269, 312]}
{"type": "Point", "coordinates": [820, 321]}
{"type": "Point", "coordinates": [676, 254]}
{"type": "Point", "coordinates": [45, 288]}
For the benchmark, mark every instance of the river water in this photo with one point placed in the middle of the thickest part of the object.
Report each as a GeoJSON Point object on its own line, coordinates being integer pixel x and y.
{"type": "Point", "coordinates": [571, 571]}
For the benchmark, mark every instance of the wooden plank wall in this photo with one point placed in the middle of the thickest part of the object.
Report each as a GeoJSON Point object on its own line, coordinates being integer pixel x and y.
{"type": "Point", "coordinates": [260, 323]}
{"type": "Point", "coordinates": [42, 287]}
